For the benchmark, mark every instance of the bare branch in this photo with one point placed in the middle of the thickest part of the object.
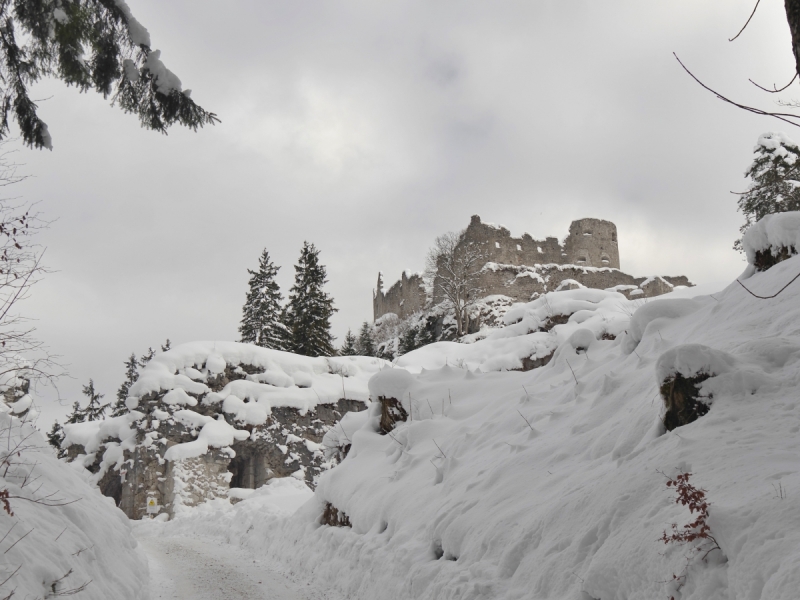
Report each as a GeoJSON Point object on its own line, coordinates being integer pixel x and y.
{"type": "Point", "coordinates": [775, 90]}
{"type": "Point", "coordinates": [755, 8]}
{"type": "Point", "coordinates": [785, 117]}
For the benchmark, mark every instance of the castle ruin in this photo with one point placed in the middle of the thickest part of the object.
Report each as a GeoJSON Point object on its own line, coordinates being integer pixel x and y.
{"type": "Point", "coordinates": [521, 268]}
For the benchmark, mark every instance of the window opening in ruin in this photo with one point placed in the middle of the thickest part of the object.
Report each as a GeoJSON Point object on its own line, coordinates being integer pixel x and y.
{"type": "Point", "coordinates": [582, 259]}
{"type": "Point", "coordinates": [587, 233]}
{"type": "Point", "coordinates": [539, 248]}
{"type": "Point", "coordinates": [519, 248]}
{"type": "Point", "coordinates": [605, 260]}
{"type": "Point", "coordinates": [497, 244]}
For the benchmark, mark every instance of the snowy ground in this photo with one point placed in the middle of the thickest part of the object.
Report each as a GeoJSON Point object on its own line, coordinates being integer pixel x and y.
{"type": "Point", "coordinates": [203, 554]}
{"type": "Point", "coordinates": [185, 568]}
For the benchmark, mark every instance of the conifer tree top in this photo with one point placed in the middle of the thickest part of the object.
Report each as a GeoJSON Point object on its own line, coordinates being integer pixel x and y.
{"type": "Point", "coordinates": [310, 308]}
{"type": "Point", "coordinates": [261, 314]}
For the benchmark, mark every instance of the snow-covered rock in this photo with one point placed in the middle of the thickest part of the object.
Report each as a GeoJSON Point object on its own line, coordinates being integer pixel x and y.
{"type": "Point", "coordinates": [773, 234]}
{"type": "Point", "coordinates": [208, 416]}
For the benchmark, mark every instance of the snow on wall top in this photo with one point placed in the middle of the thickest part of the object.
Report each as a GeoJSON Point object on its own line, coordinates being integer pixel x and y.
{"type": "Point", "coordinates": [287, 380]}
{"type": "Point", "coordinates": [772, 232]}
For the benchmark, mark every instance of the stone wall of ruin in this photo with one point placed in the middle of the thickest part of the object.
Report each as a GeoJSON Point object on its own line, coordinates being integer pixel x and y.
{"type": "Point", "coordinates": [521, 267]}
{"type": "Point", "coordinates": [286, 443]}
{"type": "Point", "coordinates": [404, 298]}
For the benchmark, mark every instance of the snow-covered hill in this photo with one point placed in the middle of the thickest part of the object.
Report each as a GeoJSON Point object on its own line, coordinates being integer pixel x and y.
{"type": "Point", "coordinates": [551, 483]}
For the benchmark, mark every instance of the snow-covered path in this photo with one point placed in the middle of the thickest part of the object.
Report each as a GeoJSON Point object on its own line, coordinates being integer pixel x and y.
{"type": "Point", "coordinates": [199, 569]}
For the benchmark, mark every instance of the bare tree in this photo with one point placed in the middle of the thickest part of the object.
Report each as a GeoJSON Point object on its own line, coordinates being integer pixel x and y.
{"type": "Point", "coordinates": [452, 271]}
{"type": "Point", "coordinates": [23, 358]}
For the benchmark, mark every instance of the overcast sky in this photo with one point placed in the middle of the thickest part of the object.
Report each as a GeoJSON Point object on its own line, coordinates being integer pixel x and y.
{"type": "Point", "coordinates": [368, 128]}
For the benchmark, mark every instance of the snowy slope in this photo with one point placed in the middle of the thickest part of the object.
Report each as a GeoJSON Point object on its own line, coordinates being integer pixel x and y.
{"type": "Point", "coordinates": [571, 506]}
{"type": "Point", "coordinates": [549, 484]}
{"type": "Point", "coordinates": [63, 534]}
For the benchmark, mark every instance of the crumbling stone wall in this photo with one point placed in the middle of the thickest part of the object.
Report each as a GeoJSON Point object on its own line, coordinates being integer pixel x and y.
{"type": "Point", "coordinates": [500, 247]}
{"type": "Point", "coordinates": [288, 444]}
{"type": "Point", "coordinates": [404, 298]}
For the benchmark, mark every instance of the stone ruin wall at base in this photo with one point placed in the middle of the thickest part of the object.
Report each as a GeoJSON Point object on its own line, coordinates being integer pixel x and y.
{"type": "Point", "coordinates": [521, 267]}
{"type": "Point", "coordinates": [189, 482]}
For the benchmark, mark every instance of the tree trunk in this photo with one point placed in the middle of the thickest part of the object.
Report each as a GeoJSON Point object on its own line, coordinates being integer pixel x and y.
{"type": "Point", "coordinates": [793, 17]}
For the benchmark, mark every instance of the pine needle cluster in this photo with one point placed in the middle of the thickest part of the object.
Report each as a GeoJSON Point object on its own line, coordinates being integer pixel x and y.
{"type": "Point", "coordinates": [92, 45]}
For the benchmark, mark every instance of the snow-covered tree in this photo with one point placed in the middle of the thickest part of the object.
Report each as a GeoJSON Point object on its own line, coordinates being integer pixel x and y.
{"type": "Point", "coordinates": [308, 312]}
{"type": "Point", "coordinates": [366, 341]}
{"type": "Point", "coordinates": [94, 411]}
{"type": "Point", "coordinates": [349, 348]}
{"type": "Point", "coordinates": [408, 341]}
{"type": "Point", "coordinates": [131, 375]}
{"type": "Point", "coordinates": [165, 347]}
{"type": "Point", "coordinates": [261, 315]}
{"type": "Point", "coordinates": [89, 44]}
{"type": "Point", "coordinates": [775, 180]}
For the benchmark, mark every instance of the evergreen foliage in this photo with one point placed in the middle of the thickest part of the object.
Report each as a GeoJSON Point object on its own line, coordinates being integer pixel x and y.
{"type": "Point", "coordinates": [165, 347]}
{"type": "Point", "coordinates": [261, 315]}
{"type": "Point", "coordinates": [349, 347]}
{"type": "Point", "coordinates": [54, 437]}
{"type": "Point", "coordinates": [408, 341]}
{"type": "Point", "coordinates": [775, 177]}
{"type": "Point", "coordinates": [94, 411]}
{"type": "Point", "coordinates": [131, 375]}
{"type": "Point", "coordinates": [146, 358]}
{"type": "Point", "coordinates": [77, 415]}
{"type": "Point", "coordinates": [308, 313]}
{"type": "Point", "coordinates": [366, 345]}
{"type": "Point", "coordinates": [89, 44]}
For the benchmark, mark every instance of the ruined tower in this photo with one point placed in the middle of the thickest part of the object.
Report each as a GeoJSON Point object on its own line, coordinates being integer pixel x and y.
{"type": "Point", "coordinates": [592, 243]}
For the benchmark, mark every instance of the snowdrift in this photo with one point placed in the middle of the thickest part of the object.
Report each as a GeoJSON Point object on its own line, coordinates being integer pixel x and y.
{"type": "Point", "coordinates": [64, 538]}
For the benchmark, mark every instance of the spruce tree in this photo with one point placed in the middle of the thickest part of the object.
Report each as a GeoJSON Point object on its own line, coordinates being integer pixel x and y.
{"type": "Point", "coordinates": [261, 315]}
{"type": "Point", "coordinates": [366, 342]}
{"type": "Point", "coordinates": [775, 177]}
{"type": "Point", "coordinates": [166, 346]}
{"type": "Point", "coordinates": [308, 313]}
{"type": "Point", "coordinates": [55, 437]}
{"type": "Point", "coordinates": [131, 375]}
{"type": "Point", "coordinates": [94, 411]}
{"type": "Point", "coordinates": [349, 346]}
{"type": "Point", "coordinates": [89, 44]}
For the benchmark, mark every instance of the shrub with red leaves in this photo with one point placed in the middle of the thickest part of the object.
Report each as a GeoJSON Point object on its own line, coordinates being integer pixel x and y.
{"type": "Point", "coordinates": [6, 504]}
{"type": "Point", "coordinates": [697, 531]}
